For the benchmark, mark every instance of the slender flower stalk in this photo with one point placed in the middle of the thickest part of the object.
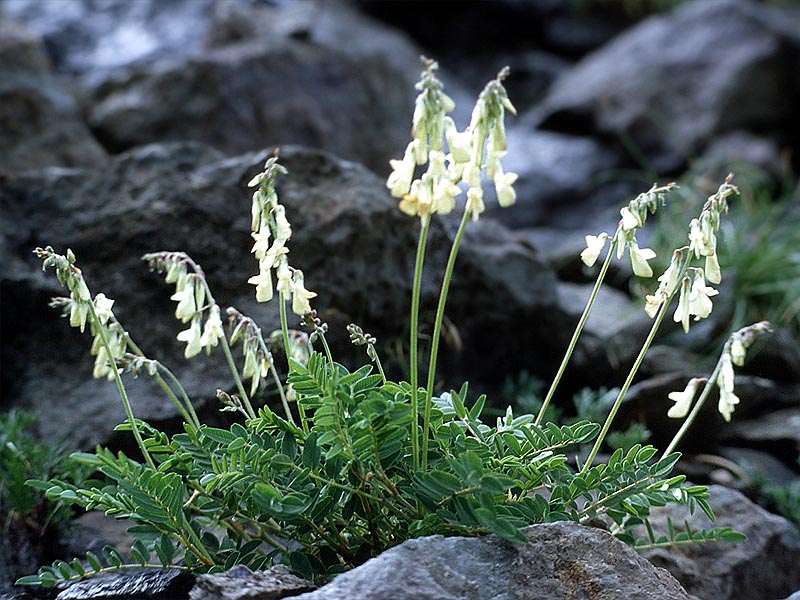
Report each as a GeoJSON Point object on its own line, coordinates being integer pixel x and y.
{"type": "Point", "coordinates": [578, 329]}
{"type": "Point", "coordinates": [414, 338]}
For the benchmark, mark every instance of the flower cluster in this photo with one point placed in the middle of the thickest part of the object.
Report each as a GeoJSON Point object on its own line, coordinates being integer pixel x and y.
{"type": "Point", "coordinates": [467, 156]}
{"type": "Point", "coordinates": [694, 293]}
{"type": "Point", "coordinates": [269, 222]}
{"type": "Point", "coordinates": [733, 353]}
{"type": "Point", "coordinates": [633, 217]}
{"type": "Point", "coordinates": [80, 308]}
{"type": "Point", "coordinates": [194, 302]}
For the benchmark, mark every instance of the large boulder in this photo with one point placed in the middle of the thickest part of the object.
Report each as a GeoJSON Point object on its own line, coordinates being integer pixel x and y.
{"type": "Point", "coordinates": [237, 75]}
{"type": "Point", "coordinates": [763, 567]}
{"type": "Point", "coordinates": [40, 124]}
{"type": "Point", "coordinates": [561, 560]}
{"type": "Point", "coordinates": [354, 245]}
{"type": "Point", "coordinates": [675, 80]}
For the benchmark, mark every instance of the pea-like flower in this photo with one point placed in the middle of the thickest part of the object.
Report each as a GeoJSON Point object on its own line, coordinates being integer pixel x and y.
{"type": "Point", "coordinates": [700, 303]}
{"type": "Point", "coordinates": [399, 181]}
{"type": "Point", "coordinates": [185, 297]}
{"type": "Point", "coordinates": [263, 243]}
{"type": "Point", "coordinates": [713, 272]}
{"type": "Point", "coordinates": [639, 258]}
{"type": "Point", "coordinates": [263, 283]}
{"type": "Point", "coordinates": [506, 196]}
{"type": "Point", "coordinates": [630, 220]}
{"type": "Point", "coordinates": [682, 313]}
{"type": "Point", "coordinates": [192, 337]}
{"type": "Point", "coordinates": [213, 330]}
{"type": "Point", "coordinates": [683, 400]}
{"type": "Point", "coordinates": [102, 308]}
{"type": "Point", "coordinates": [475, 202]}
{"type": "Point", "coordinates": [459, 143]}
{"type": "Point", "coordinates": [283, 230]}
{"type": "Point", "coordinates": [594, 246]}
{"type": "Point", "coordinates": [300, 295]}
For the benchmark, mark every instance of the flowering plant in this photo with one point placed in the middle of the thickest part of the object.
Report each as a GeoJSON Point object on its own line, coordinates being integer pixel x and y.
{"type": "Point", "coordinates": [358, 463]}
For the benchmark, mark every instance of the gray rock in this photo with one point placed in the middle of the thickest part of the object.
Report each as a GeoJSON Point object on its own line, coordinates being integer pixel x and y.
{"type": "Point", "coordinates": [562, 560]}
{"type": "Point", "coordinates": [795, 596]}
{"type": "Point", "coordinates": [39, 121]}
{"type": "Point", "coordinates": [149, 583]}
{"type": "Point", "coordinates": [354, 245]}
{"type": "Point", "coordinates": [675, 80]}
{"type": "Point", "coordinates": [558, 176]}
{"type": "Point", "coordinates": [776, 427]}
{"type": "Point", "coordinates": [240, 583]}
{"type": "Point", "coordinates": [763, 567]}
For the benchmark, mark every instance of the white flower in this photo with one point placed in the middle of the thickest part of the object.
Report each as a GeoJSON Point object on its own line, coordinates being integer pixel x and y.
{"type": "Point", "coordinates": [284, 275]}
{"type": "Point", "coordinates": [79, 287]}
{"type": "Point", "coordinates": [273, 255]}
{"type": "Point", "coordinates": [175, 271]}
{"type": "Point", "coordinates": [283, 231]}
{"type": "Point", "coordinates": [459, 143]}
{"type": "Point", "coordinates": [250, 364]}
{"type": "Point", "coordinates": [629, 219]}
{"type": "Point", "coordinates": [653, 303]}
{"type": "Point", "coordinates": [669, 278]}
{"type": "Point", "coordinates": [300, 295]}
{"type": "Point", "coordinates": [192, 337]}
{"type": "Point", "coordinates": [712, 269]}
{"type": "Point", "coordinates": [213, 330]}
{"type": "Point", "coordinates": [78, 311]}
{"type": "Point", "coordinates": [102, 367]}
{"type": "Point", "coordinates": [472, 175]}
{"type": "Point", "coordinates": [726, 375]}
{"type": "Point", "coordinates": [639, 258]}
{"type": "Point", "coordinates": [683, 400]}
{"type": "Point", "coordinates": [727, 402]}
{"type": "Point", "coordinates": [263, 283]}
{"type": "Point", "coordinates": [475, 202]}
{"type": "Point", "coordinates": [696, 238]}
{"type": "Point", "coordinates": [185, 298]}
{"type": "Point", "coordinates": [399, 181]}
{"type": "Point", "coordinates": [594, 246]}
{"type": "Point", "coordinates": [738, 350]}
{"type": "Point", "coordinates": [506, 196]}
{"type": "Point", "coordinates": [493, 156]}
{"type": "Point", "coordinates": [262, 244]}
{"type": "Point", "coordinates": [682, 312]}
{"type": "Point", "coordinates": [257, 180]}
{"type": "Point", "coordinates": [102, 308]}
{"type": "Point", "coordinates": [700, 303]}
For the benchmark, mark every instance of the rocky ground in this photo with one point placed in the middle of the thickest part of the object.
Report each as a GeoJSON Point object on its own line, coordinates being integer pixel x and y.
{"type": "Point", "coordinates": [128, 127]}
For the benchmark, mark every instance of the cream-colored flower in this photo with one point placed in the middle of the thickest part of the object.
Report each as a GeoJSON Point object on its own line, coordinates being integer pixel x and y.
{"type": "Point", "coordinates": [696, 238]}
{"type": "Point", "coordinates": [726, 374]}
{"type": "Point", "coordinates": [669, 279]}
{"type": "Point", "coordinates": [300, 295]}
{"type": "Point", "coordinates": [78, 312]}
{"type": "Point", "coordinates": [284, 275]}
{"type": "Point", "coordinates": [700, 303]}
{"type": "Point", "coordinates": [263, 283]}
{"type": "Point", "coordinates": [459, 143]}
{"type": "Point", "coordinates": [102, 308]}
{"type": "Point", "coordinates": [274, 254]}
{"type": "Point", "coordinates": [653, 302]}
{"type": "Point", "coordinates": [506, 196]}
{"type": "Point", "coordinates": [727, 403]}
{"type": "Point", "coordinates": [683, 400]}
{"type": "Point", "coordinates": [738, 350]}
{"type": "Point", "coordinates": [713, 272]}
{"type": "Point", "coordinates": [185, 297]}
{"type": "Point", "coordinates": [283, 230]}
{"type": "Point", "coordinates": [444, 196]}
{"type": "Point", "coordinates": [263, 243]}
{"type": "Point", "coordinates": [175, 271]}
{"type": "Point", "coordinates": [213, 330]}
{"type": "Point", "coordinates": [594, 246]}
{"type": "Point", "coordinates": [192, 337]}
{"type": "Point", "coordinates": [630, 220]}
{"type": "Point", "coordinates": [475, 202]}
{"type": "Point", "coordinates": [399, 181]}
{"type": "Point", "coordinates": [639, 258]}
{"type": "Point", "coordinates": [682, 313]}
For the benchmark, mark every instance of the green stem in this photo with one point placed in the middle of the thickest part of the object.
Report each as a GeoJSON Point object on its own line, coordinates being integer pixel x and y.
{"type": "Point", "coordinates": [187, 409]}
{"type": "Point", "coordinates": [101, 329]}
{"type": "Point", "coordinates": [239, 386]}
{"type": "Point", "coordinates": [618, 402]}
{"type": "Point", "coordinates": [696, 409]}
{"type": "Point", "coordinates": [378, 363]}
{"type": "Point", "coordinates": [578, 329]}
{"type": "Point", "coordinates": [285, 333]}
{"type": "Point", "coordinates": [437, 330]}
{"type": "Point", "coordinates": [414, 339]}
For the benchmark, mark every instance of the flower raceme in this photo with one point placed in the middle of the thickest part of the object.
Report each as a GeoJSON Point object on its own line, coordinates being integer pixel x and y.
{"type": "Point", "coordinates": [269, 222]}
{"type": "Point", "coordinates": [468, 154]}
